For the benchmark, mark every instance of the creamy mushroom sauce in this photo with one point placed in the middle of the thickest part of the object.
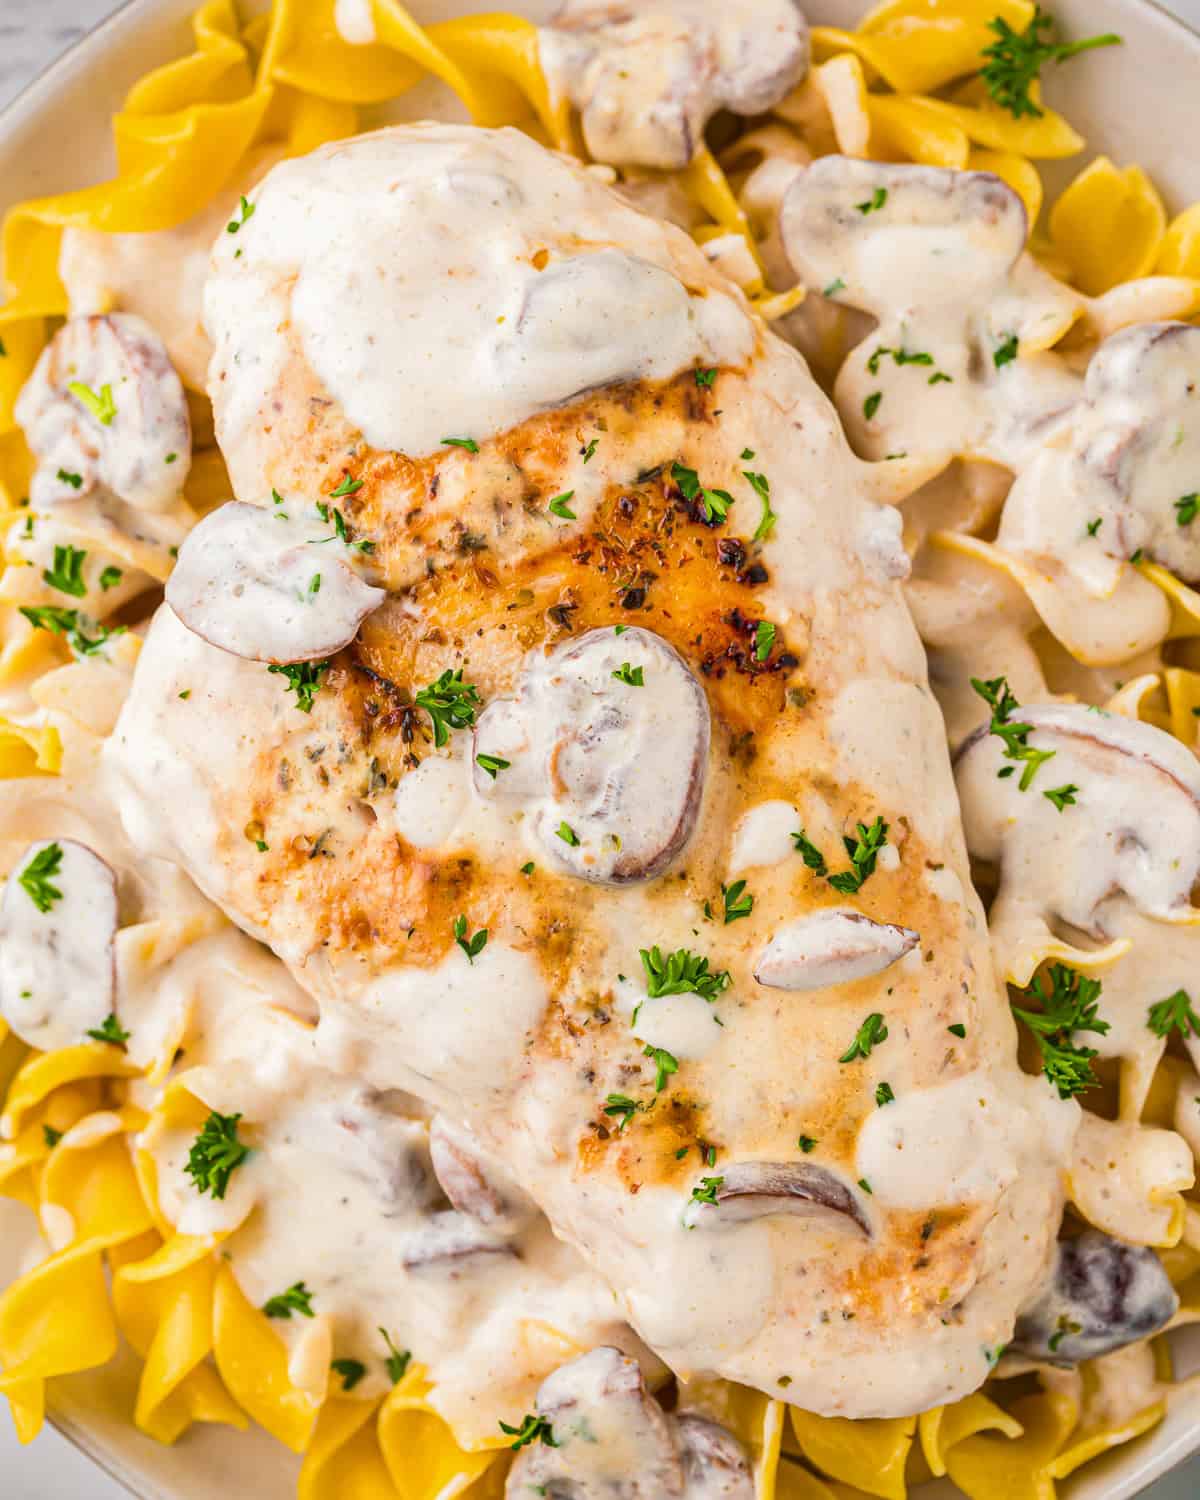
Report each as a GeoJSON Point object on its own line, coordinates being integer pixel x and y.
{"type": "Point", "coordinates": [467, 965]}
{"type": "Point", "coordinates": [647, 75]}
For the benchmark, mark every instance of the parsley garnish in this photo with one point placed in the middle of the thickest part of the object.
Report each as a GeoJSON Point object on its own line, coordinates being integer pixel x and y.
{"type": "Point", "coordinates": [1064, 1327]}
{"type": "Point", "coordinates": [714, 503]}
{"type": "Point", "coordinates": [1016, 60]}
{"type": "Point", "coordinates": [559, 506]}
{"type": "Point", "coordinates": [527, 869]}
{"type": "Point", "coordinates": [812, 856]}
{"type": "Point", "coordinates": [737, 904]}
{"type": "Point", "coordinates": [244, 213]}
{"type": "Point", "coordinates": [348, 486]}
{"type": "Point", "coordinates": [622, 1108]}
{"type": "Point", "coordinates": [450, 703]}
{"type": "Point", "coordinates": [471, 946]}
{"type": "Point", "coordinates": [807, 1144]}
{"type": "Point", "coordinates": [631, 676]}
{"type": "Point", "coordinates": [69, 623]}
{"type": "Point", "coordinates": [1186, 509]}
{"type": "Point", "coordinates": [216, 1154]}
{"type": "Point", "coordinates": [1006, 352]}
{"type": "Point", "coordinates": [834, 287]}
{"type": "Point", "coordinates": [397, 1360]}
{"type": "Point", "coordinates": [1062, 796]}
{"type": "Point", "coordinates": [102, 407]}
{"type": "Point", "coordinates": [340, 531]}
{"type": "Point", "coordinates": [863, 851]}
{"type": "Point", "coordinates": [884, 1095]}
{"type": "Point", "coordinates": [764, 640]}
{"type": "Point", "coordinates": [705, 378]}
{"type": "Point", "coordinates": [110, 578]}
{"type": "Point", "coordinates": [1068, 1006]}
{"type": "Point", "coordinates": [957, 1029]}
{"type": "Point", "coordinates": [64, 476]}
{"type": "Point", "coordinates": [664, 1066]}
{"type": "Point", "coordinates": [110, 1031]}
{"type": "Point", "coordinates": [871, 404]}
{"type": "Point", "coordinates": [866, 1186]}
{"type": "Point", "coordinates": [303, 679]}
{"type": "Point", "coordinates": [870, 1034]}
{"type": "Point", "coordinates": [532, 1430]}
{"type": "Point", "coordinates": [761, 486]}
{"type": "Point", "coordinates": [51, 1136]}
{"type": "Point", "coordinates": [901, 356]}
{"type": "Point", "coordinates": [492, 764]}
{"type": "Point", "coordinates": [590, 451]}
{"type": "Point", "coordinates": [1175, 1013]}
{"type": "Point", "coordinates": [67, 573]}
{"type": "Point", "coordinates": [297, 1298]}
{"type": "Point", "coordinates": [351, 1371]}
{"type": "Point", "coordinates": [996, 693]}
{"type": "Point", "coordinates": [681, 973]}
{"type": "Point", "coordinates": [568, 835]}
{"type": "Point", "coordinates": [468, 443]}
{"type": "Point", "coordinates": [708, 1190]}
{"type": "Point", "coordinates": [1094, 526]}
{"type": "Point", "coordinates": [874, 203]}
{"type": "Point", "coordinates": [35, 878]}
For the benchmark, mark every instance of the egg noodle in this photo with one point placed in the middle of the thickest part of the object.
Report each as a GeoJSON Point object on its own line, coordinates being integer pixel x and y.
{"type": "Point", "coordinates": [283, 84]}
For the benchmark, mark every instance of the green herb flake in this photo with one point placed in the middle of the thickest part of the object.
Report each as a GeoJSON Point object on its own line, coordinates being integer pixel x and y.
{"type": "Point", "coordinates": [110, 1031]}
{"type": "Point", "coordinates": [450, 703]}
{"type": "Point", "coordinates": [51, 1136]}
{"type": "Point", "coordinates": [681, 973]}
{"type": "Point", "coordinates": [664, 1066]}
{"type": "Point", "coordinates": [110, 577]}
{"type": "Point", "coordinates": [244, 213]}
{"type": "Point", "coordinates": [738, 901]}
{"type": "Point", "coordinates": [65, 476]}
{"type": "Point", "coordinates": [764, 640]}
{"type": "Point", "coordinates": [1062, 796]}
{"type": "Point", "coordinates": [397, 1361]}
{"type": "Point", "coordinates": [471, 946]}
{"type": "Point", "coordinates": [874, 203]}
{"type": "Point", "coordinates": [216, 1154]}
{"type": "Point", "coordinates": [807, 1144]}
{"type": "Point", "coordinates": [468, 443]}
{"type": "Point", "coordinates": [350, 1370]}
{"type": "Point", "coordinates": [296, 1299]}
{"type": "Point", "coordinates": [705, 378]}
{"type": "Point", "coordinates": [884, 1095]}
{"type": "Point", "coordinates": [1175, 1013]}
{"type": "Point", "coordinates": [533, 1429]}
{"type": "Point", "coordinates": [559, 506]}
{"type": "Point", "coordinates": [67, 573]}
{"type": "Point", "coordinates": [707, 1190]}
{"type": "Point", "coordinates": [1006, 351]}
{"type": "Point", "coordinates": [957, 1029]}
{"type": "Point", "coordinates": [630, 676]}
{"type": "Point", "coordinates": [871, 404]}
{"type": "Point", "coordinates": [1069, 1003]}
{"type": "Point", "coordinates": [35, 879]}
{"type": "Point", "coordinates": [568, 835]}
{"type": "Point", "coordinates": [492, 764]}
{"type": "Point", "coordinates": [1186, 509]}
{"type": "Point", "coordinates": [869, 1035]}
{"type": "Point", "coordinates": [304, 679]}
{"type": "Point", "coordinates": [101, 406]}
{"type": "Point", "coordinates": [1015, 60]}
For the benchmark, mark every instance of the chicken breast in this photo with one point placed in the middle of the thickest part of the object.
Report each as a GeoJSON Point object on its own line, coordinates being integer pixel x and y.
{"type": "Point", "coordinates": [642, 697]}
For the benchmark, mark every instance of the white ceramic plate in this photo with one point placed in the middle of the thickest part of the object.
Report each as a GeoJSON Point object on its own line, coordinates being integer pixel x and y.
{"type": "Point", "coordinates": [1136, 103]}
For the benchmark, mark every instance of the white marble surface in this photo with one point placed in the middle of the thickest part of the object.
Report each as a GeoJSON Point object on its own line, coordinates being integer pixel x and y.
{"type": "Point", "coordinates": [32, 34]}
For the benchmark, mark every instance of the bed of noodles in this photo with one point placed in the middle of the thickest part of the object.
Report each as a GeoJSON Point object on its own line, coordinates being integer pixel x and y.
{"type": "Point", "coordinates": [889, 91]}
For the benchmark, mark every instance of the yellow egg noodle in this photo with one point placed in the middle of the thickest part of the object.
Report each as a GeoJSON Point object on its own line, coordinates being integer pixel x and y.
{"type": "Point", "coordinates": [902, 88]}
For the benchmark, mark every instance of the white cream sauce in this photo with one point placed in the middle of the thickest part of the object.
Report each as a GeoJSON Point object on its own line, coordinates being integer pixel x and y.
{"type": "Point", "coordinates": [355, 21]}
{"type": "Point", "coordinates": [647, 77]}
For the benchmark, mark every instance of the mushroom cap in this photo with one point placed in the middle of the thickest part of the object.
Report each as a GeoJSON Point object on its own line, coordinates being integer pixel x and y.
{"type": "Point", "coordinates": [760, 1189]}
{"type": "Point", "coordinates": [831, 947]}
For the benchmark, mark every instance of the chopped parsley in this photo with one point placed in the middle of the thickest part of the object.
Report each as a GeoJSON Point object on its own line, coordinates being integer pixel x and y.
{"type": "Point", "coordinates": [997, 694]}
{"type": "Point", "coordinates": [351, 1371]}
{"type": "Point", "coordinates": [874, 203]}
{"type": "Point", "coordinates": [348, 486]}
{"type": "Point", "coordinates": [811, 855]}
{"type": "Point", "coordinates": [1064, 1327]}
{"type": "Point", "coordinates": [738, 901]}
{"type": "Point", "coordinates": [527, 869]}
{"type": "Point", "coordinates": [101, 406]}
{"type": "Point", "coordinates": [705, 378]}
{"type": "Point", "coordinates": [1068, 1004]}
{"type": "Point", "coordinates": [297, 1299]}
{"type": "Point", "coordinates": [834, 287]}
{"type": "Point", "coordinates": [65, 476]}
{"type": "Point", "coordinates": [681, 973]}
{"type": "Point", "coordinates": [243, 214]}
{"type": "Point", "coordinates": [1006, 351]}
{"type": "Point", "coordinates": [870, 1034]}
{"type": "Point", "coordinates": [630, 676]}
{"type": "Point", "coordinates": [863, 850]}
{"type": "Point", "coordinates": [110, 577]}
{"type": "Point", "coordinates": [216, 1154]}
{"type": "Point", "coordinates": [471, 946]}
{"type": "Point", "coordinates": [884, 1095]}
{"type": "Point", "coordinates": [67, 573]}
{"type": "Point", "coordinates": [957, 1029]}
{"type": "Point", "coordinates": [568, 835]}
{"type": "Point", "coordinates": [590, 451]}
{"type": "Point", "coordinates": [397, 1361]}
{"type": "Point", "coordinates": [707, 1190]}
{"type": "Point", "coordinates": [621, 1108]}
{"type": "Point", "coordinates": [871, 404]}
{"type": "Point", "coordinates": [450, 703]}
{"type": "Point", "coordinates": [51, 1136]}
{"type": "Point", "coordinates": [533, 1429]}
{"type": "Point", "coordinates": [35, 879]}
{"type": "Point", "coordinates": [714, 503]}
{"type": "Point", "coordinates": [1015, 60]}
{"type": "Point", "coordinates": [110, 1031]}
{"type": "Point", "coordinates": [468, 443]}
{"type": "Point", "coordinates": [341, 532]}
{"type": "Point", "coordinates": [1062, 796]}
{"type": "Point", "coordinates": [764, 640]}
{"type": "Point", "coordinates": [1186, 509]}
{"type": "Point", "coordinates": [492, 764]}
{"type": "Point", "coordinates": [71, 624]}
{"type": "Point", "coordinates": [761, 486]}
{"type": "Point", "coordinates": [664, 1066]}
{"type": "Point", "coordinates": [559, 506]}
{"type": "Point", "coordinates": [303, 679]}
{"type": "Point", "coordinates": [1175, 1013]}
{"type": "Point", "coordinates": [865, 1185]}
{"type": "Point", "coordinates": [901, 357]}
{"type": "Point", "coordinates": [807, 1144]}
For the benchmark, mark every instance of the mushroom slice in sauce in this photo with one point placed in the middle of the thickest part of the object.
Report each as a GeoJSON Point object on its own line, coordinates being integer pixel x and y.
{"type": "Point", "coordinates": [1125, 479]}
{"type": "Point", "coordinates": [448, 1241]}
{"type": "Point", "coordinates": [611, 770]}
{"type": "Point", "coordinates": [1101, 1296]}
{"type": "Point", "coordinates": [715, 1465]}
{"type": "Point", "coordinates": [387, 1149]}
{"type": "Point", "coordinates": [759, 1189]}
{"type": "Point", "coordinates": [105, 405]}
{"type": "Point", "coordinates": [831, 947]}
{"type": "Point", "coordinates": [268, 585]}
{"type": "Point", "coordinates": [1133, 827]}
{"type": "Point", "coordinates": [58, 922]}
{"type": "Point", "coordinates": [474, 1186]}
{"type": "Point", "coordinates": [613, 1440]}
{"type": "Point", "coordinates": [647, 78]}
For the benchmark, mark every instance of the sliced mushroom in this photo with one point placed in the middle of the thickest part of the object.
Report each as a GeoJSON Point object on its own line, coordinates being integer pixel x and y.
{"type": "Point", "coordinates": [760, 1189]}
{"type": "Point", "coordinates": [715, 1465]}
{"type": "Point", "coordinates": [831, 947]}
{"type": "Point", "coordinates": [58, 922]}
{"type": "Point", "coordinates": [1132, 826]}
{"type": "Point", "coordinates": [647, 78]}
{"type": "Point", "coordinates": [269, 584]}
{"type": "Point", "coordinates": [104, 406]}
{"type": "Point", "coordinates": [613, 1441]}
{"type": "Point", "coordinates": [388, 1149]}
{"type": "Point", "coordinates": [1102, 1295]}
{"type": "Point", "coordinates": [611, 771]}
{"type": "Point", "coordinates": [449, 1241]}
{"type": "Point", "coordinates": [475, 1187]}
